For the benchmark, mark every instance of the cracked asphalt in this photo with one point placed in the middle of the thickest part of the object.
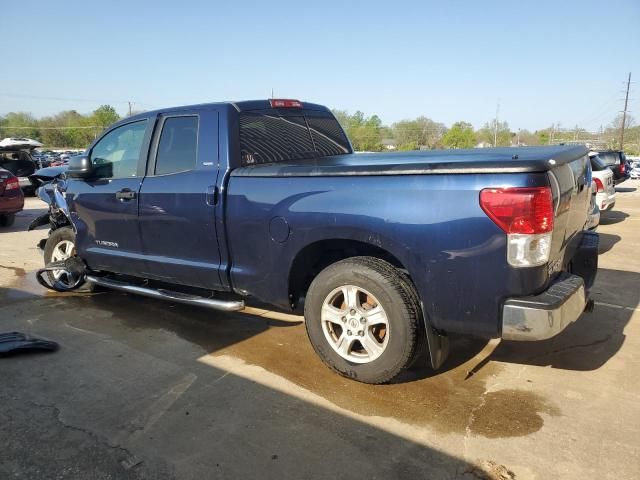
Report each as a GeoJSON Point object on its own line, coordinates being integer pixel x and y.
{"type": "Point", "coordinates": [143, 389]}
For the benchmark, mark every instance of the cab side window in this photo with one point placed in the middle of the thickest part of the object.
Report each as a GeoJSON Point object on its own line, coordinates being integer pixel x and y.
{"type": "Point", "coordinates": [178, 145]}
{"type": "Point", "coordinates": [116, 155]}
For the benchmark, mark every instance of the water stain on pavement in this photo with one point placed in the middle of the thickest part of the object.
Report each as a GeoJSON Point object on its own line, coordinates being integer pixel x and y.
{"type": "Point", "coordinates": [444, 401]}
{"type": "Point", "coordinates": [17, 271]}
{"type": "Point", "coordinates": [449, 401]}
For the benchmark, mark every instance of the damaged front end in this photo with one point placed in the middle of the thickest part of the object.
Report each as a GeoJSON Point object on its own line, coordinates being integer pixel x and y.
{"type": "Point", "coordinates": [65, 274]}
{"type": "Point", "coordinates": [58, 215]}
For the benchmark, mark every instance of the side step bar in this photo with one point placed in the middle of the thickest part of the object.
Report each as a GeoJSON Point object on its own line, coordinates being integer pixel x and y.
{"type": "Point", "coordinates": [215, 304]}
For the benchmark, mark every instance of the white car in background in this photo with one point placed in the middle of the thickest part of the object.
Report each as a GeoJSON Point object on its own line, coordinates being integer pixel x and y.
{"type": "Point", "coordinates": [635, 170]}
{"type": "Point", "coordinates": [603, 178]}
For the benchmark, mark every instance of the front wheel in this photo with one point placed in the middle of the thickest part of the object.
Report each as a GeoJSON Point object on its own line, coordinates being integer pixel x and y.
{"type": "Point", "coordinates": [362, 317]}
{"type": "Point", "coordinates": [60, 245]}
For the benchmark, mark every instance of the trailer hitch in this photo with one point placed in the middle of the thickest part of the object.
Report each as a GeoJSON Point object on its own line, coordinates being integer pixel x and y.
{"type": "Point", "coordinates": [68, 274]}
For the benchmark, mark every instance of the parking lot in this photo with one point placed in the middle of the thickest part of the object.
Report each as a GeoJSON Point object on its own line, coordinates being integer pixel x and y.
{"type": "Point", "coordinates": [147, 389]}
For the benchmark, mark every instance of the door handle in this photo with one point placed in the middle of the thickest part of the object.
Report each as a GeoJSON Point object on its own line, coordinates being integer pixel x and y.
{"type": "Point", "coordinates": [212, 195]}
{"type": "Point", "coordinates": [126, 194]}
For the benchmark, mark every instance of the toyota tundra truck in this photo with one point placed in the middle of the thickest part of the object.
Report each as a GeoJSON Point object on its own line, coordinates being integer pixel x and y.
{"type": "Point", "coordinates": [225, 204]}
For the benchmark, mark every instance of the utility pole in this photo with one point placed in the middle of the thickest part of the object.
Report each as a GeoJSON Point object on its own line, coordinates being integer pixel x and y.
{"type": "Point", "coordinates": [271, 93]}
{"type": "Point", "coordinates": [624, 113]}
{"type": "Point", "coordinates": [553, 126]}
{"type": "Point", "coordinates": [495, 126]}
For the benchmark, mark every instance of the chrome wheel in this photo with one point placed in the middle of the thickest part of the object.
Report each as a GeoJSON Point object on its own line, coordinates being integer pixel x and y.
{"type": "Point", "coordinates": [63, 250]}
{"type": "Point", "coordinates": [355, 324]}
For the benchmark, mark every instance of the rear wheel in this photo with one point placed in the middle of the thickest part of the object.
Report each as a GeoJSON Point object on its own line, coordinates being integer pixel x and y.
{"type": "Point", "coordinates": [363, 319]}
{"type": "Point", "coordinates": [7, 220]}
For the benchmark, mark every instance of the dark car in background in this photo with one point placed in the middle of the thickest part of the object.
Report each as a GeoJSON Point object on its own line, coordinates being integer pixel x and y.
{"type": "Point", "coordinates": [11, 198]}
{"type": "Point", "coordinates": [21, 164]}
{"type": "Point", "coordinates": [617, 162]}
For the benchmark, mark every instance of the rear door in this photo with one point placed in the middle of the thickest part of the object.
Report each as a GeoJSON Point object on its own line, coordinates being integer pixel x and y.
{"type": "Point", "coordinates": [105, 207]}
{"type": "Point", "coordinates": [178, 198]}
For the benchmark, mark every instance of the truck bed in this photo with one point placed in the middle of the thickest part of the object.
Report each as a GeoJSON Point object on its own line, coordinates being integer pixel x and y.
{"type": "Point", "coordinates": [489, 160]}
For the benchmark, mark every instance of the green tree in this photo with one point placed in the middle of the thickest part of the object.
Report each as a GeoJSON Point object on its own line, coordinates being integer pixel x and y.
{"type": "Point", "coordinates": [417, 133]}
{"type": "Point", "coordinates": [364, 132]}
{"type": "Point", "coordinates": [104, 116]}
{"type": "Point", "coordinates": [528, 138]}
{"type": "Point", "coordinates": [460, 135]}
{"type": "Point", "coordinates": [487, 134]}
{"type": "Point", "coordinates": [19, 124]}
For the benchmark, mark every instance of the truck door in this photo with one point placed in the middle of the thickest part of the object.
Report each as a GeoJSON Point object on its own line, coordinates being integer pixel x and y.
{"type": "Point", "coordinates": [105, 206]}
{"type": "Point", "coordinates": [178, 198]}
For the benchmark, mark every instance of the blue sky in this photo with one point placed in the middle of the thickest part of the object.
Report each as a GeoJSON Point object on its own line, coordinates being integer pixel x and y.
{"type": "Point", "coordinates": [546, 62]}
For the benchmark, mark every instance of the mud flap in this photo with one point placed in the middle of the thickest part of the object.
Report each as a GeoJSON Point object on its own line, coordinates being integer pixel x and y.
{"type": "Point", "coordinates": [438, 345]}
{"type": "Point", "coordinates": [72, 268]}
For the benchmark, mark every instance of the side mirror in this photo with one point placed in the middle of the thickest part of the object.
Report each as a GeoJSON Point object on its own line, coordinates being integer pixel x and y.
{"type": "Point", "coordinates": [80, 166]}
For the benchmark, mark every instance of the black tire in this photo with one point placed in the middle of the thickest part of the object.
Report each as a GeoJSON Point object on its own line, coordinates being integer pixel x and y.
{"type": "Point", "coordinates": [394, 293]}
{"type": "Point", "coordinates": [57, 236]}
{"type": "Point", "coordinates": [7, 220]}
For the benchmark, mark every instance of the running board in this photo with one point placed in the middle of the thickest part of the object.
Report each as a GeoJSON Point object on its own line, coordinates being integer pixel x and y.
{"type": "Point", "coordinates": [224, 305]}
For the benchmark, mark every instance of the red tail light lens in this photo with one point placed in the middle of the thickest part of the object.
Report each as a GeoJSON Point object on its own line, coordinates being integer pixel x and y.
{"type": "Point", "coordinates": [525, 210]}
{"type": "Point", "coordinates": [623, 168]}
{"type": "Point", "coordinates": [285, 103]}
{"type": "Point", "coordinates": [599, 186]}
{"type": "Point", "coordinates": [12, 184]}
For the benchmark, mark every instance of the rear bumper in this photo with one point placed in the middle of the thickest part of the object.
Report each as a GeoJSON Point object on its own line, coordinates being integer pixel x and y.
{"type": "Point", "coordinates": [12, 204]}
{"type": "Point", "coordinates": [606, 200]}
{"type": "Point", "coordinates": [543, 316]}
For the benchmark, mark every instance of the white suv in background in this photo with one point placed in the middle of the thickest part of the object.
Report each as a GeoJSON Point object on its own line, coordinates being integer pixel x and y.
{"type": "Point", "coordinates": [603, 178]}
{"type": "Point", "coordinates": [635, 170]}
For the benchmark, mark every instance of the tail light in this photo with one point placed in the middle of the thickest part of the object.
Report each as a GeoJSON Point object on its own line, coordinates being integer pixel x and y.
{"type": "Point", "coordinates": [526, 215]}
{"type": "Point", "coordinates": [623, 168]}
{"type": "Point", "coordinates": [599, 186]}
{"type": "Point", "coordinates": [12, 184]}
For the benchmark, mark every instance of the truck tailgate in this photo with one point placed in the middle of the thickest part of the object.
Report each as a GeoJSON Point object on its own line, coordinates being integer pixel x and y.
{"type": "Point", "coordinates": [570, 183]}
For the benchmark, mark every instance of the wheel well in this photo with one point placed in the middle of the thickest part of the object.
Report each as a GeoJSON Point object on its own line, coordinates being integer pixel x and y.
{"type": "Point", "coordinates": [313, 258]}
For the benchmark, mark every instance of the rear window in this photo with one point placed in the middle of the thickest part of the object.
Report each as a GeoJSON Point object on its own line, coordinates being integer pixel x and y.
{"type": "Point", "coordinates": [597, 164]}
{"type": "Point", "coordinates": [273, 137]}
{"type": "Point", "coordinates": [610, 158]}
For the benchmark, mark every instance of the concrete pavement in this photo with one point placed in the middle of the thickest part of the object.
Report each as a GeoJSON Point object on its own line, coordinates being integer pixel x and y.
{"type": "Point", "coordinates": [147, 389]}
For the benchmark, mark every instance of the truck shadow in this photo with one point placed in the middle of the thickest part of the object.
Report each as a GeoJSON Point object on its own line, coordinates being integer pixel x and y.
{"type": "Point", "coordinates": [611, 217]}
{"type": "Point", "coordinates": [591, 341]}
{"type": "Point", "coordinates": [607, 241]}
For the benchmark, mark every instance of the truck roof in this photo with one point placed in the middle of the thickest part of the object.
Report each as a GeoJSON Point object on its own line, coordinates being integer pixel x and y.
{"type": "Point", "coordinates": [240, 106]}
{"type": "Point", "coordinates": [477, 160]}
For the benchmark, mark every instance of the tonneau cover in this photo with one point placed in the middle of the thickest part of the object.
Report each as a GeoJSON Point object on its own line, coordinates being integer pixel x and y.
{"type": "Point", "coordinates": [479, 160]}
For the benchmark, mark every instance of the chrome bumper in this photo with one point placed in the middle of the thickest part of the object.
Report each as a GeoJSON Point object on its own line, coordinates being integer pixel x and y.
{"type": "Point", "coordinates": [544, 316]}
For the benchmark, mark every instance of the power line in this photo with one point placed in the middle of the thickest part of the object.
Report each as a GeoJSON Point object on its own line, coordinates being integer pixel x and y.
{"type": "Point", "coordinates": [35, 127]}
{"type": "Point", "coordinates": [69, 99]}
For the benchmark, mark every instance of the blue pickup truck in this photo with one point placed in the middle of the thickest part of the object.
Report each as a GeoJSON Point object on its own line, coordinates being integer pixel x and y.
{"type": "Point", "coordinates": [386, 254]}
